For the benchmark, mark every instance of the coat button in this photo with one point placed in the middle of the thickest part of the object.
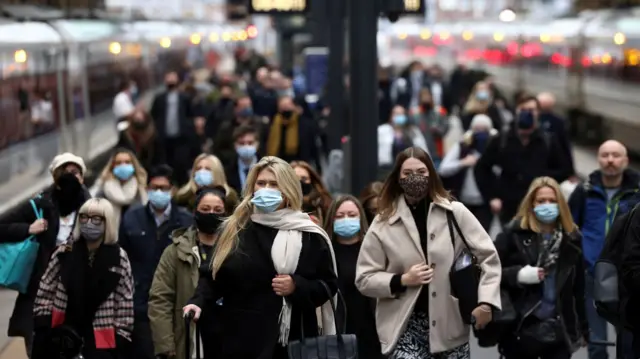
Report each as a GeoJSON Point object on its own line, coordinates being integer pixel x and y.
{"type": "Point", "coordinates": [432, 236]}
{"type": "Point", "coordinates": [433, 265]}
{"type": "Point", "coordinates": [433, 294]}
{"type": "Point", "coordinates": [433, 323]}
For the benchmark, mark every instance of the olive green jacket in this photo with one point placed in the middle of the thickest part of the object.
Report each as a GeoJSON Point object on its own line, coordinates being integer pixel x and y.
{"type": "Point", "coordinates": [173, 285]}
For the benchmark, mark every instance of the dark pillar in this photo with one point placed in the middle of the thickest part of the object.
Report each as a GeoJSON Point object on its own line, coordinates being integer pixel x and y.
{"type": "Point", "coordinates": [318, 23]}
{"type": "Point", "coordinates": [286, 50]}
{"type": "Point", "coordinates": [335, 95]}
{"type": "Point", "coordinates": [363, 59]}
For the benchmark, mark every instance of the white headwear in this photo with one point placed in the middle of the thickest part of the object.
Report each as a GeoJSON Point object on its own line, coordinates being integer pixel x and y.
{"type": "Point", "coordinates": [481, 120]}
{"type": "Point", "coordinates": [65, 158]}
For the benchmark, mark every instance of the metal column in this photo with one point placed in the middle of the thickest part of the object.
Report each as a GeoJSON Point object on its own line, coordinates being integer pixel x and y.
{"type": "Point", "coordinates": [363, 28]}
{"type": "Point", "coordinates": [335, 82]}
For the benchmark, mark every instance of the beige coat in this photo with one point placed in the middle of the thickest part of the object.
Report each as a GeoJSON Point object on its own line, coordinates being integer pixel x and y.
{"type": "Point", "coordinates": [393, 246]}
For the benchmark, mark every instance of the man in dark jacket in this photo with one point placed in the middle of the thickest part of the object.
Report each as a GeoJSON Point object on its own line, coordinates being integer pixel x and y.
{"type": "Point", "coordinates": [173, 119]}
{"type": "Point", "coordinates": [594, 206]}
{"type": "Point", "coordinates": [59, 205]}
{"type": "Point", "coordinates": [522, 154]}
{"type": "Point", "coordinates": [145, 232]}
{"type": "Point", "coordinates": [551, 122]}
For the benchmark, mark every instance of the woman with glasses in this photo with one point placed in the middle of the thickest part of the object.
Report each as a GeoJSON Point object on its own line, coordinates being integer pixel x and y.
{"type": "Point", "coordinates": [87, 289]}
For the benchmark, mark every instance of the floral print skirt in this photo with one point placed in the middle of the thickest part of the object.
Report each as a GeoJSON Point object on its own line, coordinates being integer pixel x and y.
{"type": "Point", "coordinates": [414, 342]}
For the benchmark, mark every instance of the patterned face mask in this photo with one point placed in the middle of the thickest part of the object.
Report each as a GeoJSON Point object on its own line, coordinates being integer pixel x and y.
{"type": "Point", "coordinates": [415, 185]}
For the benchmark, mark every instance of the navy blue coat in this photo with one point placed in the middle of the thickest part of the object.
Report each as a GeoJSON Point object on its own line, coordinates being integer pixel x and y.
{"type": "Point", "coordinates": [144, 243]}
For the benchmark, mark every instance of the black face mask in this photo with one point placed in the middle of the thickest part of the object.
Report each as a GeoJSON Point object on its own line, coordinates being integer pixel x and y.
{"type": "Point", "coordinates": [286, 113]}
{"type": "Point", "coordinates": [140, 126]}
{"type": "Point", "coordinates": [69, 194]}
{"type": "Point", "coordinates": [306, 188]}
{"type": "Point", "coordinates": [207, 223]}
{"type": "Point", "coordinates": [171, 86]}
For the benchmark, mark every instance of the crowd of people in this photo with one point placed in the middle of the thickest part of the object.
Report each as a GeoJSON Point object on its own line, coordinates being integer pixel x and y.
{"type": "Point", "coordinates": [213, 208]}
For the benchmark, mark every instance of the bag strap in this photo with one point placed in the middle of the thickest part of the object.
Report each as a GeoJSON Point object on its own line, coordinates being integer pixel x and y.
{"type": "Point", "coordinates": [339, 338]}
{"type": "Point", "coordinates": [452, 222]}
{"type": "Point", "coordinates": [38, 212]}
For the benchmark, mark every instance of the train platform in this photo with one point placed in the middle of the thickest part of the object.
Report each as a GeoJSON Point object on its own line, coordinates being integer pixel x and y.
{"type": "Point", "coordinates": [12, 348]}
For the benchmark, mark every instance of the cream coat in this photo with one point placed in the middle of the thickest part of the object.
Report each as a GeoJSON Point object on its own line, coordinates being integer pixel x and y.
{"type": "Point", "coordinates": [393, 246]}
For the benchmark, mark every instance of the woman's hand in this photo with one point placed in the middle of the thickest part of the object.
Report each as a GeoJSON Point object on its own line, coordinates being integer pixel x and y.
{"type": "Point", "coordinates": [192, 308]}
{"type": "Point", "coordinates": [38, 226]}
{"type": "Point", "coordinates": [283, 285]}
{"type": "Point", "coordinates": [483, 315]}
{"type": "Point", "coordinates": [419, 274]}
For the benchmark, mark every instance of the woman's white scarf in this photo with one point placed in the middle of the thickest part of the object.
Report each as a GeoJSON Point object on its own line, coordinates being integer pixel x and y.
{"type": "Point", "coordinates": [123, 194]}
{"type": "Point", "coordinates": [285, 254]}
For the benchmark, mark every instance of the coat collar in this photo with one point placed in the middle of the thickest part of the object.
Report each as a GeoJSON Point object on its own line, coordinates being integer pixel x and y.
{"type": "Point", "coordinates": [402, 210]}
{"type": "Point", "coordinates": [403, 213]}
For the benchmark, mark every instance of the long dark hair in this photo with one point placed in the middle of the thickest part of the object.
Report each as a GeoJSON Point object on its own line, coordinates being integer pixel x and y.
{"type": "Point", "coordinates": [392, 190]}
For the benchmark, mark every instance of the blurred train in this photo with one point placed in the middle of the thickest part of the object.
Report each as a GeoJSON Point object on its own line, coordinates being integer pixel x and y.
{"type": "Point", "coordinates": [591, 62]}
{"type": "Point", "coordinates": [71, 69]}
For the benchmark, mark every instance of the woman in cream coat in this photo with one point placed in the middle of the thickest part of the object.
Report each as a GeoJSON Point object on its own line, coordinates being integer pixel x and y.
{"type": "Point", "coordinates": [405, 262]}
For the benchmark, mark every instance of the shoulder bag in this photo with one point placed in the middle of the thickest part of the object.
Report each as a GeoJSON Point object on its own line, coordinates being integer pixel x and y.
{"type": "Point", "coordinates": [465, 273]}
{"type": "Point", "coordinates": [339, 346]}
{"type": "Point", "coordinates": [17, 260]}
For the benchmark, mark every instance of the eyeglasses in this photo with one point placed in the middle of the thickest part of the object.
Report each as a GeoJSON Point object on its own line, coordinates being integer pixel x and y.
{"type": "Point", "coordinates": [97, 220]}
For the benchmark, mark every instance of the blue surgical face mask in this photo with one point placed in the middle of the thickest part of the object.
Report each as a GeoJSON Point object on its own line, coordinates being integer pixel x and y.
{"type": "Point", "coordinates": [346, 227]}
{"type": "Point", "coordinates": [399, 120]}
{"type": "Point", "coordinates": [547, 213]}
{"type": "Point", "coordinates": [124, 171]}
{"type": "Point", "coordinates": [203, 178]}
{"type": "Point", "coordinates": [267, 199]}
{"type": "Point", "coordinates": [159, 199]}
{"type": "Point", "coordinates": [246, 152]}
{"type": "Point", "coordinates": [245, 112]}
{"type": "Point", "coordinates": [525, 120]}
{"type": "Point", "coordinates": [482, 95]}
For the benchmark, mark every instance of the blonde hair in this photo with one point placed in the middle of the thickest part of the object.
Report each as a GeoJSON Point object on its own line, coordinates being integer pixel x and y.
{"type": "Point", "coordinates": [99, 207]}
{"type": "Point", "coordinates": [140, 173]}
{"type": "Point", "coordinates": [528, 219]}
{"type": "Point", "coordinates": [219, 178]}
{"type": "Point", "coordinates": [474, 105]}
{"type": "Point", "coordinates": [289, 186]}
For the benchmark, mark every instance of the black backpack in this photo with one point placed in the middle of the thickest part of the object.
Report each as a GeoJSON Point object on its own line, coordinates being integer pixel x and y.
{"type": "Point", "coordinates": [609, 294]}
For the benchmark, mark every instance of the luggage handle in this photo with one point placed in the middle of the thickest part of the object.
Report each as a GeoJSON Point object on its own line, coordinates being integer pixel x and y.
{"type": "Point", "coordinates": [188, 320]}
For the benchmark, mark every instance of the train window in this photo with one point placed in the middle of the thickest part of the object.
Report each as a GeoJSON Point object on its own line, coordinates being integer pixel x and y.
{"type": "Point", "coordinates": [87, 30]}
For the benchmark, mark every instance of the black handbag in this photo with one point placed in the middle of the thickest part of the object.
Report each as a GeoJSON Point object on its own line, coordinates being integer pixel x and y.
{"type": "Point", "coordinates": [464, 276]}
{"type": "Point", "coordinates": [502, 321]}
{"type": "Point", "coordinates": [61, 342]}
{"type": "Point", "coordinates": [339, 346]}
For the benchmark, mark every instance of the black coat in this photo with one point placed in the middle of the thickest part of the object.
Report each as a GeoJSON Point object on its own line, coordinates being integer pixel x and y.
{"type": "Point", "coordinates": [15, 228]}
{"type": "Point", "coordinates": [150, 155]}
{"type": "Point", "coordinates": [159, 115]}
{"type": "Point", "coordinates": [520, 165]}
{"type": "Point", "coordinates": [250, 307]}
{"type": "Point", "coordinates": [517, 248]}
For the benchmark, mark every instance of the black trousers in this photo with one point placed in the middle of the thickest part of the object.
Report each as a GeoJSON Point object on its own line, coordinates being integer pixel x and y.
{"type": "Point", "coordinates": [178, 152]}
{"type": "Point", "coordinates": [483, 214]}
{"type": "Point", "coordinates": [141, 339]}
